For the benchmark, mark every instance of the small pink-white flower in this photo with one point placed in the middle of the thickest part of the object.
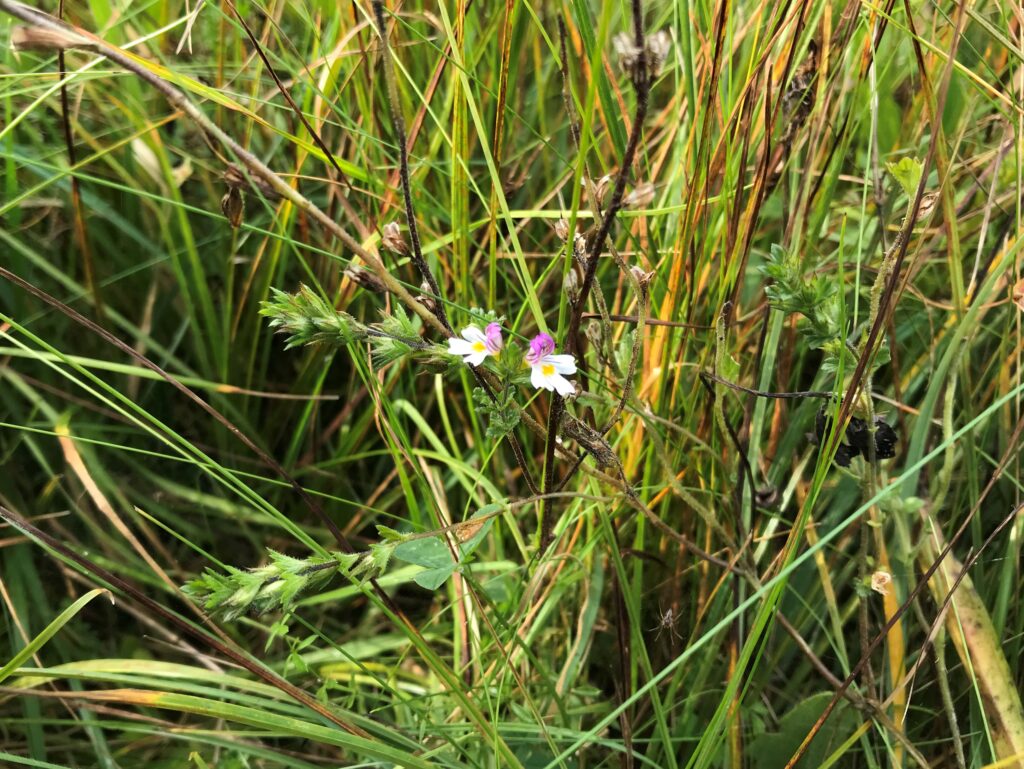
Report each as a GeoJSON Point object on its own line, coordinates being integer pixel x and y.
{"type": "Point", "coordinates": [475, 345]}
{"type": "Point", "coordinates": [549, 370]}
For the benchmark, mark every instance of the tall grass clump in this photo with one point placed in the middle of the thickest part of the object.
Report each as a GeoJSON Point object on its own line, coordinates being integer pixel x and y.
{"type": "Point", "coordinates": [530, 385]}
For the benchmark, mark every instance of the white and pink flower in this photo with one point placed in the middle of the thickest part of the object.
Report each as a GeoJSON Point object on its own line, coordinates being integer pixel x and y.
{"type": "Point", "coordinates": [476, 346]}
{"type": "Point", "coordinates": [549, 370]}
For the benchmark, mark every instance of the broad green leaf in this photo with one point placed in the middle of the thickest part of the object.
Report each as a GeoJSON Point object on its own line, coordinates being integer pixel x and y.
{"type": "Point", "coordinates": [908, 173]}
{"type": "Point", "coordinates": [434, 555]}
{"type": "Point", "coordinates": [772, 750]}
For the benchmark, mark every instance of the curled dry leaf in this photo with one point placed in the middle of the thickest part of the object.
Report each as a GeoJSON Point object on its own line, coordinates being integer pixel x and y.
{"type": "Point", "coordinates": [880, 582]}
{"type": "Point", "coordinates": [467, 530]}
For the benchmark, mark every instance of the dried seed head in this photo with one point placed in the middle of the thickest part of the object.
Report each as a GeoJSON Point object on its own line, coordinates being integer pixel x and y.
{"type": "Point", "coordinates": [628, 53]}
{"type": "Point", "coordinates": [391, 238]}
{"type": "Point", "coordinates": [642, 63]}
{"type": "Point", "coordinates": [579, 248]}
{"type": "Point", "coordinates": [466, 530]}
{"type": "Point", "coordinates": [642, 277]}
{"type": "Point", "coordinates": [235, 178]}
{"type": "Point", "coordinates": [928, 203]}
{"type": "Point", "coordinates": [641, 195]}
{"type": "Point", "coordinates": [658, 47]}
{"type": "Point", "coordinates": [767, 496]}
{"type": "Point", "coordinates": [365, 278]}
{"type": "Point", "coordinates": [425, 298]}
{"type": "Point", "coordinates": [880, 582]}
{"type": "Point", "coordinates": [571, 285]}
{"type": "Point", "coordinates": [233, 207]}
{"type": "Point", "coordinates": [603, 185]}
{"type": "Point", "coordinates": [562, 230]}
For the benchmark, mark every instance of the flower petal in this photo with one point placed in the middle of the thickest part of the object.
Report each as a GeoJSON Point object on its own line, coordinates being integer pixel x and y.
{"type": "Point", "coordinates": [477, 357]}
{"type": "Point", "coordinates": [541, 346]}
{"type": "Point", "coordinates": [538, 380]}
{"type": "Point", "coordinates": [494, 341]}
{"type": "Point", "coordinates": [458, 346]}
{"type": "Point", "coordinates": [474, 334]}
{"type": "Point", "coordinates": [562, 385]}
{"type": "Point", "coordinates": [564, 364]}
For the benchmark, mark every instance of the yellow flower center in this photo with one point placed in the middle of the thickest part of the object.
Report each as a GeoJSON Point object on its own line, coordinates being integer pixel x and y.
{"type": "Point", "coordinates": [479, 347]}
{"type": "Point", "coordinates": [547, 369]}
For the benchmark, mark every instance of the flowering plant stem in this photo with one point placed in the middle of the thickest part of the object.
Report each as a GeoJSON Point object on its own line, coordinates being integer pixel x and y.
{"type": "Point", "coordinates": [642, 85]}
{"type": "Point", "coordinates": [398, 125]}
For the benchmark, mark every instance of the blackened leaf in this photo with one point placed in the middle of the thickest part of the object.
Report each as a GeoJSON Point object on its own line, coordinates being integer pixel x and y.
{"type": "Point", "coordinates": [885, 440]}
{"type": "Point", "coordinates": [845, 454]}
{"type": "Point", "coordinates": [858, 435]}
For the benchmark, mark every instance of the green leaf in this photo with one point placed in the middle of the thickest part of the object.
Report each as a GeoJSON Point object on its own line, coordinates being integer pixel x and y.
{"type": "Point", "coordinates": [434, 555]}
{"type": "Point", "coordinates": [432, 579]}
{"type": "Point", "coordinates": [388, 534]}
{"type": "Point", "coordinates": [730, 368]}
{"type": "Point", "coordinates": [908, 173]}
{"type": "Point", "coordinates": [430, 552]}
{"type": "Point", "coordinates": [772, 750]}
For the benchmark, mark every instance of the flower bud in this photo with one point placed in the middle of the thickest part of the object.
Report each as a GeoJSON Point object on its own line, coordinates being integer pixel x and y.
{"type": "Point", "coordinates": [643, 278]}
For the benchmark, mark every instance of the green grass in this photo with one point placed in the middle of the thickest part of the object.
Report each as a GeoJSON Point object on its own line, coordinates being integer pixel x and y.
{"type": "Point", "coordinates": [706, 597]}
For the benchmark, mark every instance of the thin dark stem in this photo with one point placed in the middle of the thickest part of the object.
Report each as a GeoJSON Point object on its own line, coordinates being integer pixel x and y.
{"type": "Point", "coordinates": [643, 297]}
{"type": "Point", "coordinates": [650, 321]}
{"type": "Point", "coordinates": [79, 38]}
{"type": "Point", "coordinates": [883, 633]}
{"type": "Point", "coordinates": [764, 393]}
{"type": "Point", "coordinates": [349, 210]}
{"type": "Point", "coordinates": [76, 192]}
{"type": "Point", "coordinates": [398, 126]}
{"type": "Point", "coordinates": [642, 85]}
